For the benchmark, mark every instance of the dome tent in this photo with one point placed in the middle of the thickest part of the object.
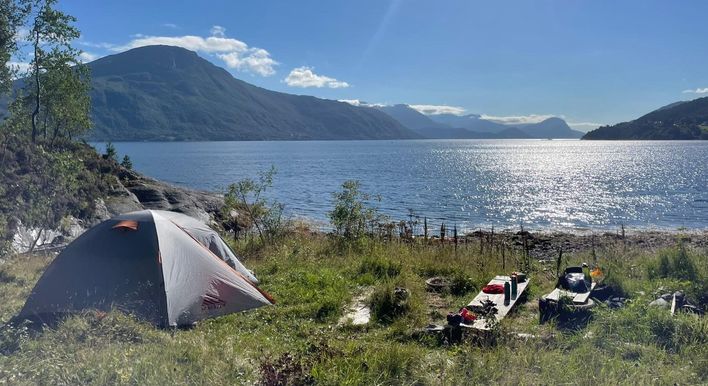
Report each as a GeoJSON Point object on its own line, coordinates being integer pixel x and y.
{"type": "Point", "coordinates": [145, 264]}
{"type": "Point", "coordinates": [209, 238]}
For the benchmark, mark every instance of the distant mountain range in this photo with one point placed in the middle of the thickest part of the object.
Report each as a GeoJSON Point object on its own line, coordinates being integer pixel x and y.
{"type": "Point", "coordinates": [449, 126]}
{"type": "Point", "coordinates": [165, 93]}
{"type": "Point", "coordinates": [679, 120]}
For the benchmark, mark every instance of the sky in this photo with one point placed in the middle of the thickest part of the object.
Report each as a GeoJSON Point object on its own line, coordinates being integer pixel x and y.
{"type": "Point", "coordinates": [591, 62]}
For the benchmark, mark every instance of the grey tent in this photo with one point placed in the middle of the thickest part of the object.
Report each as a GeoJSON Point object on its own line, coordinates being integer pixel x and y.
{"type": "Point", "coordinates": [209, 238]}
{"type": "Point", "coordinates": [147, 264]}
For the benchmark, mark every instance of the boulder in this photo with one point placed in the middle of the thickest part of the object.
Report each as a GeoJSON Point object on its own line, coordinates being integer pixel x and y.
{"type": "Point", "coordinates": [660, 302]}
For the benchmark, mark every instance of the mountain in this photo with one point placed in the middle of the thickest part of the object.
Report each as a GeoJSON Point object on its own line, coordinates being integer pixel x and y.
{"type": "Point", "coordinates": [451, 126]}
{"type": "Point", "coordinates": [670, 105]}
{"type": "Point", "coordinates": [410, 117]}
{"type": "Point", "coordinates": [686, 120]}
{"type": "Point", "coordinates": [158, 93]}
{"type": "Point", "coordinates": [550, 128]}
{"type": "Point", "coordinates": [471, 122]}
{"type": "Point", "coordinates": [428, 128]}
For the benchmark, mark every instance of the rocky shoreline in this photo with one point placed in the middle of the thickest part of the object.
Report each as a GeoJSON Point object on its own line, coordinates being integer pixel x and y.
{"type": "Point", "coordinates": [546, 245]}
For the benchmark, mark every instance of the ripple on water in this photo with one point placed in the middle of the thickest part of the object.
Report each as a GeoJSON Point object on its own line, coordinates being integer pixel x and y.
{"type": "Point", "coordinates": [473, 183]}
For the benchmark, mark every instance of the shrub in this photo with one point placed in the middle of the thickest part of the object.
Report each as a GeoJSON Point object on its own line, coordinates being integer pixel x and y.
{"type": "Point", "coordinates": [380, 267]}
{"type": "Point", "coordinates": [674, 264]}
{"type": "Point", "coordinates": [389, 303]}
{"type": "Point", "coordinates": [461, 284]}
{"type": "Point", "coordinates": [351, 214]}
{"type": "Point", "coordinates": [246, 198]}
{"type": "Point", "coordinates": [616, 283]}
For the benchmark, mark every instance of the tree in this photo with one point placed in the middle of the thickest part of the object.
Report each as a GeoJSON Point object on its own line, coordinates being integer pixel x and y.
{"type": "Point", "coordinates": [111, 153]}
{"type": "Point", "coordinates": [12, 15]}
{"type": "Point", "coordinates": [127, 163]}
{"type": "Point", "coordinates": [67, 101]}
{"type": "Point", "coordinates": [58, 81]}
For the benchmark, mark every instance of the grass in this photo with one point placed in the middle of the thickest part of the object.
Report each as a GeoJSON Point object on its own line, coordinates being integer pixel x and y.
{"type": "Point", "coordinates": [299, 341]}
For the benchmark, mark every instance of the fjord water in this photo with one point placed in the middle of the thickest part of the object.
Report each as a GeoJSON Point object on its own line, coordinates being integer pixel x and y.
{"type": "Point", "coordinates": [544, 185]}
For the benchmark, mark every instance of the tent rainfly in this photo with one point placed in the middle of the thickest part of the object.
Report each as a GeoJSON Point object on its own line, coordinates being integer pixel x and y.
{"type": "Point", "coordinates": [163, 267]}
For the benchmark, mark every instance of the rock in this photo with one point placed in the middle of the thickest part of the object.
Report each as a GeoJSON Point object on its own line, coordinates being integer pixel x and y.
{"type": "Point", "coordinates": [121, 200]}
{"type": "Point", "coordinates": [691, 309]}
{"type": "Point", "coordinates": [616, 302]}
{"type": "Point", "coordinates": [680, 297]}
{"type": "Point", "coordinates": [660, 303]}
{"type": "Point", "coordinates": [401, 293]}
{"type": "Point", "coordinates": [358, 312]}
{"type": "Point", "coordinates": [153, 194]}
{"type": "Point", "coordinates": [25, 238]}
{"type": "Point", "coordinates": [667, 297]}
{"type": "Point", "coordinates": [100, 212]}
{"type": "Point", "coordinates": [437, 284]}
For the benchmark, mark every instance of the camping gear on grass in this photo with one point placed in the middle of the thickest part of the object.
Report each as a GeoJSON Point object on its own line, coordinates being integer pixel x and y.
{"type": "Point", "coordinates": [575, 286]}
{"type": "Point", "coordinates": [493, 289]}
{"type": "Point", "coordinates": [574, 280]}
{"type": "Point", "coordinates": [143, 263]}
{"type": "Point", "coordinates": [497, 297]}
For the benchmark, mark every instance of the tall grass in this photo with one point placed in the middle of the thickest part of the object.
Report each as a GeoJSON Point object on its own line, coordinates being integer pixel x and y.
{"type": "Point", "coordinates": [313, 279]}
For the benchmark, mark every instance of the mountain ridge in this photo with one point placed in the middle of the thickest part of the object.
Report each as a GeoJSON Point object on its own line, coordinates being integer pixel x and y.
{"type": "Point", "coordinates": [473, 126]}
{"type": "Point", "coordinates": [684, 120]}
{"type": "Point", "coordinates": [167, 93]}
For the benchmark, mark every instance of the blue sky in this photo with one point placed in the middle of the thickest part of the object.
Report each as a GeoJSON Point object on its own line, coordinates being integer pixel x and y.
{"type": "Point", "coordinates": [589, 61]}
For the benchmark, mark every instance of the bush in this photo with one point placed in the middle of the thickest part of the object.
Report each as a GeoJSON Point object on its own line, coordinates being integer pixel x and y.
{"type": "Point", "coordinates": [674, 264]}
{"type": "Point", "coordinates": [379, 267]}
{"type": "Point", "coordinates": [351, 214]}
{"type": "Point", "coordinates": [389, 303]}
{"type": "Point", "coordinates": [40, 186]}
{"type": "Point", "coordinates": [245, 197]}
{"type": "Point", "coordinates": [616, 283]}
{"type": "Point", "coordinates": [461, 284]}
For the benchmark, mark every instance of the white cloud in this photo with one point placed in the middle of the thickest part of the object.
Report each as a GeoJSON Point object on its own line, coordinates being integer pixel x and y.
{"type": "Point", "coordinates": [353, 102]}
{"type": "Point", "coordinates": [235, 53]}
{"type": "Point", "coordinates": [218, 30]}
{"type": "Point", "coordinates": [258, 61]}
{"type": "Point", "coordinates": [85, 57]}
{"type": "Point", "coordinates": [305, 77]}
{"type": "Point", "coordinates": [170, 25]}
{"type": "Point", "coordinates": [20, 67]}
{"type": "Point", "coordinates": [357, 102]}
{"type": "Point", "coordinates": [102, 45]}
{"type": "Point", "coordinates": [21, 35]}
{"type": "Point", "coordinates": [438, 109]}
{"type": "Point", "coordinates": [697, 91]}
{"type": "Point", "coordinates": [584, 126]}
{"type": "Point", "coordinates": [518, 119]}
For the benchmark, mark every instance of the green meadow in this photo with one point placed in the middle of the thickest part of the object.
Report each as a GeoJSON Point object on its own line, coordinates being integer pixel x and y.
{"type": "Point", "coordinates": [302, 339]}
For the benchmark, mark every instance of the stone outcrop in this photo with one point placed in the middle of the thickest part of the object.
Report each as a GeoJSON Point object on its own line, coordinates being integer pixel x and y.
{"type": "Point", "coordinates": [130, 191]}
{"type": "Point", "coordinates": [139, 192]}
